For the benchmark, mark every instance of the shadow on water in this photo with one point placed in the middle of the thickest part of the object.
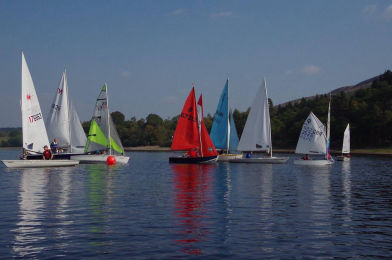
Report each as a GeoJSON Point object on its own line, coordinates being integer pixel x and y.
{"type": "Point", "coordinates": [192, 184]}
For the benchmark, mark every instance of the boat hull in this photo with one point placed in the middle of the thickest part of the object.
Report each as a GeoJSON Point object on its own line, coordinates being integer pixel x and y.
{"type": "Point", "coordinates": [187, 160]}
{"type": "Point", "coordinates": [98, 158]}
{"type": "Point", "coordinates": [270, 160]}
{"type": "Point", "coordinates": [342, 158]}
{"type": "Point", "coordinates": [39, 163]}
{"type": "Point", "coordinates": [313, 162]}
{"type": "Point", "coordinates": [227, 157]}
{"type": "Point", "coordinates": [56, 156]}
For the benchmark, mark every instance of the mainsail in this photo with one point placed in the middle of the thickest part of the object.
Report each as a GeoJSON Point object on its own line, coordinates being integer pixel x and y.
{"type": "Point", "coordinates": [63, 121]}
{"type": "Point", "coordinates": [187, 135]}
{"type": "Point", "coordinates": [35, 136]}
{"type": "Point", "coordinates": [346, 140]}
{"type": "Point", "coordinates": [256, 135]}
{"type": "Point", "coordinates": [312, 139]}
{"type": "Point", "coordinates": [223, 124]}
{"type": "Point", "coordinates": [103, 134]}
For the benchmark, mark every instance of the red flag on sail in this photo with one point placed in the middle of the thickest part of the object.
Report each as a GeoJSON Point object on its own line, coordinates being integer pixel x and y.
{"type": "Point", "coordinates": [187, 135]}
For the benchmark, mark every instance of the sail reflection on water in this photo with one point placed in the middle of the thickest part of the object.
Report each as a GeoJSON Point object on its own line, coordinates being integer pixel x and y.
{"type": "Point", "coordinates": [192, 184]}
{"type": "Point", "coordinates": [29, 233]}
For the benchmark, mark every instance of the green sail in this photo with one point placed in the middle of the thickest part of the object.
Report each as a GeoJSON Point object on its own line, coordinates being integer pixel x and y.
{"type": "Point", "coordinates": [96, 135]}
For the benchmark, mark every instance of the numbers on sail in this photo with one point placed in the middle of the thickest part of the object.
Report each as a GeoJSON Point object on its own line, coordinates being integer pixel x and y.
{"type": "Point", "coordinates": [35, 117]}
{"type": "Point", "coordinates": [56, 107]}
{"type": "Point", "coordinates": [308, 133]}
{"type": "Point", "coordinates": [189, 117]}
{"type": "Point", "coordinates": [102, 106]}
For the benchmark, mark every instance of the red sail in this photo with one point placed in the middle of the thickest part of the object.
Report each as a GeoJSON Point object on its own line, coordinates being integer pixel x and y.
{"type": "Point", "coordinates": [208, 148]}
{"type": "Point", "coordinates": [186, 135]}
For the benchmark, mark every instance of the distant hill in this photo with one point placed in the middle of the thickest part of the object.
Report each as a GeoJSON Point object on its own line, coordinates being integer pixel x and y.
{"type": "Point", "coordinates": [347, 89]}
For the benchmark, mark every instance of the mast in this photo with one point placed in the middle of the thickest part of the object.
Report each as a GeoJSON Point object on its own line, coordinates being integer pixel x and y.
{"type": "Point", "coordinates": [328, 126]}
{"type": "Point", "coordinates": [270, 137]}
{"type": "Point", "coordinates": [68, 107]}
{"type": "Point", "coordinates": [108, 121]}
{"type": "Point", "coordinates": [228, 117]}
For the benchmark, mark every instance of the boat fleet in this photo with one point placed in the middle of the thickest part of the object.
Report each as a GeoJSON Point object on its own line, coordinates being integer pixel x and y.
{"type": "Point", "coordinates": [103, 144]}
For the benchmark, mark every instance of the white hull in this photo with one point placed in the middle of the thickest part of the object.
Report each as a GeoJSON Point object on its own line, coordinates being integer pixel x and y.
{"type": "Point", "coordinates": [99, 158]}
{"type": "Point", "coordinates": [313, 162]}
{"type": "Point", "coordinates": [226, 157]}
{"type": "Point", "coordinates": [271, 160]}
{"type": "Point", "coordinates": [342, 158]}
{"type": "Point", "coordinates": [39, 163]}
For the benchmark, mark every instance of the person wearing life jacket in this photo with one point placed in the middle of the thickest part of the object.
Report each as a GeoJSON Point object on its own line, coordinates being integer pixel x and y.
{"type": "Point", "coordinates": [54, 146]}
{"type": "Point", "coordinates": [306, 157]}
{"type": "Point", "coordinates": [47, 154]}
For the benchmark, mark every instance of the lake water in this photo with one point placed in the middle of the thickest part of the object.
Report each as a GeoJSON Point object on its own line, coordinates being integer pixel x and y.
{"type": "Point", "coordinates": [151, 209]}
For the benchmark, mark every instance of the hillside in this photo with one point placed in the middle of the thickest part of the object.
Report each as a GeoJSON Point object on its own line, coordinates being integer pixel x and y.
{"type": "Point", "coordinates": [346, 89]}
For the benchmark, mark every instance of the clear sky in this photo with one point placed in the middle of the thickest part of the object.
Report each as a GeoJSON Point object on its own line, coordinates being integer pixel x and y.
{"type": "Point", "coordinates": [150, 52]}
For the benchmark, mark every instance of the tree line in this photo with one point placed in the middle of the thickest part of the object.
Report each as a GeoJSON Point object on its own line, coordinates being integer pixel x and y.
{"type": "Point", "coordinates": [369, 112]}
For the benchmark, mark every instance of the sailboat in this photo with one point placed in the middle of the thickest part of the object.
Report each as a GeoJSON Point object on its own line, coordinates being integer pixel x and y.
{"type": "Point", "coordinates": [223, 132]}
{"type": "Point", "coordinates": [256, 136]}
{"type": "Point", "coordinates": [35, 136]}
{"type": "Point", "coordinates": [191, 134]}
{"type": "Point", "coordinates": [103, 139]}
{"type": "Point", "coordinates": [63, 123]}
{"type": "Point", "coordinates": [346, 146]}
{"type": "Point", "coordinates": [314, 139]}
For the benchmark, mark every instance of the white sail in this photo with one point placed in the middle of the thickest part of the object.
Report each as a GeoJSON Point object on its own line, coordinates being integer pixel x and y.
{"type": "Point", "coordinates": [346, 140]}
{"type": "Point", "coordinates": [63, 121]}
{"type": "Point", "coordinates": [256, 135]}
{"type": "Point", "coordinates": [78, 137]}
{"type": "Point", "coordinates": [34, 131]}
{"type": "Point", "coordinates": [58, 118]}
{"type": "Point", "coordinates": [312, 139]}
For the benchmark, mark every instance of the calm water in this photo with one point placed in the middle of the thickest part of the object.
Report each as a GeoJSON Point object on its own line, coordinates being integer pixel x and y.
{"type": "Point", "coordinates": [150, 209]}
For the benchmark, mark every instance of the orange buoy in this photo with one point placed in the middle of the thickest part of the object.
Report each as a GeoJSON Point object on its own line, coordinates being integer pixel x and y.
{"type": "Point", "coordinates": [111, 160]}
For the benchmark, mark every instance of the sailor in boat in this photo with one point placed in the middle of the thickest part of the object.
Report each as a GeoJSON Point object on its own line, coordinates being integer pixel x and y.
{"type": "Point", "coordinates": [47, 154]}
{"type": "Point", "coordinates": [306, 157]}
{"type": "Point", "coordinates": [248, 155]}
{"type": "Point", "coordinates": [192, 153]}
{"type": "Point", "coordinates": [54, 146]}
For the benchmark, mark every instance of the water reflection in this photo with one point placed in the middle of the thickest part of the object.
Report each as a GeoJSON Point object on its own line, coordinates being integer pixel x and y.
{"type": "Point", "coordinates": [30, 234]}
{"type": "Point", "coordinates": [100, 185]}
{"type": "Point", "coordinates": [191, 184]}
{"type": "Point", "coordinates": [346, 174]}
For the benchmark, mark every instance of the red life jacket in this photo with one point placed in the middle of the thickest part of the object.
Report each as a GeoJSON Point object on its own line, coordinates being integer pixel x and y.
{"type": "Point", "coordinates": [47, 154]}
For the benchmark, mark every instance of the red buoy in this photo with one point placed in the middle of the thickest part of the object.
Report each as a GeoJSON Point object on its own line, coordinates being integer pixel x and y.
{"type": "Point", "coordinates": [111, 160]}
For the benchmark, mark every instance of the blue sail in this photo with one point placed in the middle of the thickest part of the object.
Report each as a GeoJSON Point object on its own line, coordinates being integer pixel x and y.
{"type": "Point", "coordinates": [233, 135]}
{"type": "Point", "coordinates": [218, 132]}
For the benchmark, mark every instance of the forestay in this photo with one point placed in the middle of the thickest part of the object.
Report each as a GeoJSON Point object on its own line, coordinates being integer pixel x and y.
{"type": "Point", "coordinates": [256, 135]}
{"type": "Point", "coordinates": [346, 140]}
{"type": "Point", "coordinates": [35, 136]}
{"type": "Point", "coordinates": [312, 139]}
{"type": "Point", "coordinates": [102, 128]}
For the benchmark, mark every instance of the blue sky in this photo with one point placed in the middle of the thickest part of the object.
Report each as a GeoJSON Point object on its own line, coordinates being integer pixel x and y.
{"type": "Point", "coordinates": [150, 52]}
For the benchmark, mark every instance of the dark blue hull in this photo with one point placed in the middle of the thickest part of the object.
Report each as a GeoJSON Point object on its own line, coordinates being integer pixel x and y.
{"type": "Point", "coordinates": [193, 160]}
